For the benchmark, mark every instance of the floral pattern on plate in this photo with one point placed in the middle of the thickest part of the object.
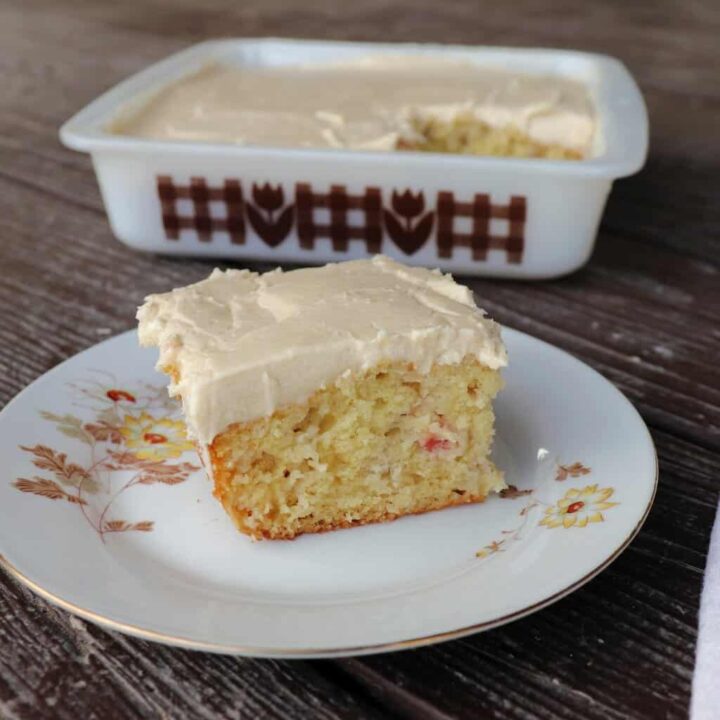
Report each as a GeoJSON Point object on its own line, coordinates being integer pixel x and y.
{"type": "Point", "coordinates": [578, 507]}
{"type": "Point", "coordinates": [129, 441]}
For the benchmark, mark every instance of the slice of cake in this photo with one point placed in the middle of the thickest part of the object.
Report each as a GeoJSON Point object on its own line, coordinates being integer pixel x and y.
{"type": "Point", "coordinates": [334, 396]}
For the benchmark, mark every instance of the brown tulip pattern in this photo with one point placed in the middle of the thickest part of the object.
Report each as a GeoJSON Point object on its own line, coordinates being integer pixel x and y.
{"type": "Point", "coordinates": [268, 218]}
{"type": "Point", "coordinates": [275, 212]}
{"type": "Point", "coordinates": [408, 228]}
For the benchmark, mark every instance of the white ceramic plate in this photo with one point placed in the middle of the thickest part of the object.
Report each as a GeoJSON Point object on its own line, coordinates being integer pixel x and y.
{"type": "Point", "coordinates": [104, 512]}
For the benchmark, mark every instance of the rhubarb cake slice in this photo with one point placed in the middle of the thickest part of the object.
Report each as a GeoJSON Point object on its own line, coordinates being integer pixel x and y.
{"type": "Point", "coordinates": [330, 397]}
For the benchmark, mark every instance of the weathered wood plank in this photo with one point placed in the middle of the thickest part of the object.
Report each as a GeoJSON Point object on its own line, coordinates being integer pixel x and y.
{"type": "Point", "coordinates": [53, 665]}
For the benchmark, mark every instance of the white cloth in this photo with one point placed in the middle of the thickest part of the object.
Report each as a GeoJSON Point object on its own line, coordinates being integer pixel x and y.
{"type": "Point", "coordinates": [706, 681]}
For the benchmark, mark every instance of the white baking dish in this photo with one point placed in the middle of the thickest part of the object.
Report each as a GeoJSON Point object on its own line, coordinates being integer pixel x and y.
{"type": "Point", "coordinates": [504, 217]}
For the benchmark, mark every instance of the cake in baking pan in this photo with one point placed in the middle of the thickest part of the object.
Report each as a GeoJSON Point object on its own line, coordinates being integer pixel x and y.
{"type": "Point", "coordinates": [375, 102]}
{"type": "Point", "coordinates": [330, 397]}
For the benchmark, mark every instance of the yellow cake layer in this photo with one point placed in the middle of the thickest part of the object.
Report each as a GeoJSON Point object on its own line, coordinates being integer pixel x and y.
{"type": "Point", "coordinates": [466, 135]}
{"type": "Point", "coordinates": [372, 447]}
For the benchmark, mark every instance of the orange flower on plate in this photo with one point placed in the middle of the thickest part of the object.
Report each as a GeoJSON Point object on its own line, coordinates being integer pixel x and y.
{"type": "Point", "coordinates": [152, 438]}
{"type": "Point", "coordinates": [579, 507]}
{"type": "Point", "coordinates": [120, 395]}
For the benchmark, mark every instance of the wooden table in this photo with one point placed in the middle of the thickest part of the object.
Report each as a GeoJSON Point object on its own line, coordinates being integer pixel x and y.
{"type": "Point", "coordinates": [644, 312]}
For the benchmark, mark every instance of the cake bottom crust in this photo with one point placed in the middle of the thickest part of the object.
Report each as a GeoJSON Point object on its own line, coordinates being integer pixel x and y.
{"type": "Point", "coordinates": [322, 526]}
{"type": "Point", "coordinates": [373, 447]}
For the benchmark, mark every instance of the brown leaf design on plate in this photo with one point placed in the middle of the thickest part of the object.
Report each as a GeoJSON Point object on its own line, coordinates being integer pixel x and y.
{"type": "Point", "coordinates": [46, 488]}
{"type": "Point", "coordinates": [143, 526]}
{"type": "Point", "coordinates": [491, 549]}
{"type": "Point", "coordinates": [68, 425]}
{"type": "Point", "coordinates": [167, 474]}
{"type": "Point", "coordinates": [152, 471]}
{"type": "Point", "coordinates": [116, 526]}
{"type": "Point", "coordinates": [68, 473]}
{"type": "Point", "coordinates": [123, 526]}
{"type": "Point", "coordinates": [124, 460]}
{"type": "Point", "coordinates": [104, 432]}
{"type": "Point", "coordinates": [577, 469]}
{"type": "Point", "coordinates": [511, 491]}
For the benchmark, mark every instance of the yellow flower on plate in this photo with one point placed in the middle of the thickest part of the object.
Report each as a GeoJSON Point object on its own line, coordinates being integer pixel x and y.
{"type": "Point", "coordinates": [579, 507]}
{"type": "Point", "coordinates": [153, 438]}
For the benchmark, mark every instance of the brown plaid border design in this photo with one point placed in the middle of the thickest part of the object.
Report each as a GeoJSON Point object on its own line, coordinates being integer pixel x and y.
{"type": "Point", "coordinates": [404, 220]}
{"type": "Point", "coordinates": [480, 239]}
{"type": "Point", "coordinates": [339, 203]}
{"type": "Point", "coordinates": [230, 194]}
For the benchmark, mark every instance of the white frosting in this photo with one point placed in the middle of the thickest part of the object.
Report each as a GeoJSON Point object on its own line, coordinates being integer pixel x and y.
{"type": "Point", "coordinates": [366, 103]}
{"type": "Point", "coordinates": [245, 344]}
